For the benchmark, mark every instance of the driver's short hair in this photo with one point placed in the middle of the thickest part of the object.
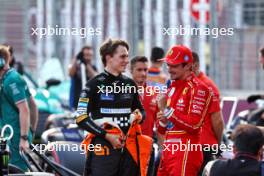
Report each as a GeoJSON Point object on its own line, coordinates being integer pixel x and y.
{"type": "Point", "coordinates": [137, 59]}
{"type": "Point", "coordinates": [109, 48]}
{"type": "Point", "coordinates": [196, 58]}
{"type": "Point", "coordinates": [248, 138]}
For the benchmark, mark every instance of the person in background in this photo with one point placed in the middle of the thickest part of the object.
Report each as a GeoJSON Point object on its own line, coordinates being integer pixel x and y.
{"type": "Point", "coordinates": [248, 149]}
{"type": "Point", "coordinates": [253, 98]}
{"type": "Point", "coordinates": [13, 62]}
{"type": "Point", "coordinates": [212, 130]}
{"type": "Point", "coordinates": [155, 75]}
{"type": "Point", "coordinates": [17, 109]}
{"type": "Point", "coordinates": [85, 57]}
{"type": "Point", "coordinates": [148, 97]}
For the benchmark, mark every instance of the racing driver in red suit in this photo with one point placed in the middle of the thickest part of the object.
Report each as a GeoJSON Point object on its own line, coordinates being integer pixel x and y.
{"type": "Point", "coordinates": [187, 101]}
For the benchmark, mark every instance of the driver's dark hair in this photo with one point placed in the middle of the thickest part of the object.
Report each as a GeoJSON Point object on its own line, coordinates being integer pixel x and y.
{"type": "Point", "coordinates": [157, 53]}
{"type": "Point", "coordinates": [109, 48]}
{"type": "Point", "coordinates": [248, 138]}
{"type": "Point", "coordinates": [195, 57]}
{"type": "Point", "coordinates": [137, 59]}
{"type": "Point", "coordinates": [86, 47]}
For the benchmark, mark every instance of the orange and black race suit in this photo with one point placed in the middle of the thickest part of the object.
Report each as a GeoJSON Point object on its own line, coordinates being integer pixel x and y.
{"type": "Point", "coordinates": [111, 98]}
{"type": "Point", "coordinates": [187, 104]}
{"type": "Point", "coordinates": [136, 153]}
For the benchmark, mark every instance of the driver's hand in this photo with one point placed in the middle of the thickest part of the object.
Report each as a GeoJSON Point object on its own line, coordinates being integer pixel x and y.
{"type": "Point", "coordinates": [253, 98]}
{"type": "Point", "coordinates": [136, 116]}
{"type": "Point", "coordinates": [23, 145]}
{"type": "Point", "coordinates": [115, 140]}
{"type": "Point", "coordinates": [161, 117]}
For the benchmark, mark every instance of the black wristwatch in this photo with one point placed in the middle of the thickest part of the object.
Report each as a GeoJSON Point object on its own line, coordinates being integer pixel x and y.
{"type": "Point", "coordinates": [24, 137]}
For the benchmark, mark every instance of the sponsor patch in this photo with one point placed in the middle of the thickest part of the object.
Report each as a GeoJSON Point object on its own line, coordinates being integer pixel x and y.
{"type": "Point", "coordinates": [180, 101]}
{"type": "Point", "coordinates": [201, 93]}
{"type": "Point", "coordinates": [196, 111]}
{"type": "Point", "coordinates": [81, 110]}
{"type": "Point", "coordinates": [170, 126]}
{"type": "Point", "coordinates": [85, 100]}
{"type": "Point", "coordinates": [83, 94]}
{"type": "Point", "coordinates": [197, 107]}
{"type": "Point", "coordinates": [186, 58]}
{"type": "Point", "coordinates": [200, 99]}
{"type": "Point", "coordinates": [109, 97]}
{"type": "Point", "coordinates": [198, 102]}
{"type": "Point", "coordinates": [14, 88]}
{"type": "Point", "coordinates": [81, 118]}
{"type": "Point", "coordinates": [125, 96]}
{"type": "Point", "coordinates": [115, 111]}
{"type": "Point", "coordinates": [82, 104]}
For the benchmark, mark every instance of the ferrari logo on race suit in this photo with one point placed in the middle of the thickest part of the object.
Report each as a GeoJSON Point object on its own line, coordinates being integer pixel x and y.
{"type": "Point", "coordinates": [185, 91]}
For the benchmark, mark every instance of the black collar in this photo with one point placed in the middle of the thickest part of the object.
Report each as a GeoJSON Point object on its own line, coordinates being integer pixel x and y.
{"type": "Point", "coordinates": [111, 75]}
{"type": "Point", "coordinates": [246, 155]}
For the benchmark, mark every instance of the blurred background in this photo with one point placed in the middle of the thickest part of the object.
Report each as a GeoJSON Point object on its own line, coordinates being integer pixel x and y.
{"type": "Point", "coordinates": [231, 61]}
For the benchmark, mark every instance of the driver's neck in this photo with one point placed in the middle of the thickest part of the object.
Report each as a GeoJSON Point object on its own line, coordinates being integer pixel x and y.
{"type": "Point", "coordinates": [186, 75]}
{"type": "Point", "coordinates": [112, 71]}
{"type": "Point", "coordinates": [140, 84]}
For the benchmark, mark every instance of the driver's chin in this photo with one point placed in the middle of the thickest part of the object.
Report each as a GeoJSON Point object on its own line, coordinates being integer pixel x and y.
{"type": "Point", "coordinates": [173, 76]}
{"type": "Point", "coordinates": [122, 69]}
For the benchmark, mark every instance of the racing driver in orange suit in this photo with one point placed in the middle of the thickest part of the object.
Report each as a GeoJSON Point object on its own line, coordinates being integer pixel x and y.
{"type": "Point", "coordinates": [187, 101]}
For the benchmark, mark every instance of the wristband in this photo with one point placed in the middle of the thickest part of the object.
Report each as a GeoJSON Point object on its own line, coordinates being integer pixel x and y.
{"type": "Point", "coordinates": [162, 124]}
{"type": "Point", "coordinates": [168, 112]}
{"type": "Point", "coordinates": [24, 137]}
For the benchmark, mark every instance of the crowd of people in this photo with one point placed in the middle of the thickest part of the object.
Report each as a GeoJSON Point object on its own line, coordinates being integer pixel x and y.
{"type": "Point", "coordinates": [126, 123]}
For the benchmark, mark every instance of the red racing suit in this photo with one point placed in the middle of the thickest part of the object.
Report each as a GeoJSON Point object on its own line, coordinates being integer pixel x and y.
{"type": "Point", "coordinates": [149, 101]}
{"type": "Point", "coordinates": [187, 101]}
{"type": "Point", "coordinates": [207, 134]}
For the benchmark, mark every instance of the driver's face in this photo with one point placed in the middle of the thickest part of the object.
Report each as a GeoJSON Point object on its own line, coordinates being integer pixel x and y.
{"type": "Point", "coordinates": [176, 71]}
{"type": "Point", "coordinates": [119, 60]}
{"type": "Point", "coordinates": [139, 72]}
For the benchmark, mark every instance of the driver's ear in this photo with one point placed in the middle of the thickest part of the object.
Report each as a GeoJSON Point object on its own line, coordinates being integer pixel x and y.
{"type": "Point", "coordinates": [107, 58]}
{"type": "Point", "coordinates": [188, 66]}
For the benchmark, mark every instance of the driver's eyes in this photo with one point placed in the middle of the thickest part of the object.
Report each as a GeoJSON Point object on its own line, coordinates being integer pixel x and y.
{"type": "Point", "coordinates": [124, 56]}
